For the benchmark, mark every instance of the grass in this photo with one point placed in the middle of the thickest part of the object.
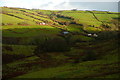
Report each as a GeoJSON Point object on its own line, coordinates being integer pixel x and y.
{"type": "Point", "coordinates": [22, 27]}
{"type": "Point", "coordinates": [81, 70]}
{"type": "Point", "coordinates": [81, 38]}
{"type": "Point", "coordinates": [25, 17]}
{"type": "Point", "coordinates": [26, 60]}
{"type": "Point", "coordinates": [10, 19]}
{"type": "Point", "coordinates": [106, 17]}
{"type": "Point", "coordinates": [75, 28]}
{"type": "Point", "coordinates": [20, 50]}
{"type": "Point", "coordinates": [28, 31]}
{"type": "Point", "coordinates": [20, 13]}
{"type": "Point", "coordinates": [29, 11]}
{"type": "Point", "coordinates": [45, 19]}
{"type": "Point", "coordinates": [46, 12]}
{"type": "Point", "coordinates": [86, 18]}
{"type": "Point", "coordinates": [8, 10]}
{"type": "Point", "coordinates": [91, 29]}
{"type": "Point", "coordinates": [57, 64]}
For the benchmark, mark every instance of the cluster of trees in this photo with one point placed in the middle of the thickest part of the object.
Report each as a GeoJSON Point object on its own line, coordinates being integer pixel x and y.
{"type": "Point", "coordinates": [57, 44]}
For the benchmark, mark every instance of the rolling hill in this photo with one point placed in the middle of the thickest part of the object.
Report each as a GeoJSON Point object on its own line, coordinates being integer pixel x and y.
{"type": "Point", "coordinates": [59, 44]}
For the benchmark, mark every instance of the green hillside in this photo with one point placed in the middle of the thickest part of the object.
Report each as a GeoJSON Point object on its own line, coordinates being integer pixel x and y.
{"type": "Point", "coordinates": [59, 44]}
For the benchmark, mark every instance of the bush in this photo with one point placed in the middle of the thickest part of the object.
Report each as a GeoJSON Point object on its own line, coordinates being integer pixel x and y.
{"type": "Point", "coordinates": [105, 26]}
{"type": "Point", "coordinates": [3, 24]}
{"type": "Point", "coordinates": [89, 56]}
{"type": "Point", "coordinates": [74, 10]}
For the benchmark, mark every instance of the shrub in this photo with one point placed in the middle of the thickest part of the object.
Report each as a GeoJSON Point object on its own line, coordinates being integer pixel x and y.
{"type": "Point", "coordinates": [3, 24]}
{"type": "Point", "coordinates": [106, 26]}
{"type": "Point", "coordinates": [74, 10]}
{"type": "Point", "coordinates": [89, 56]}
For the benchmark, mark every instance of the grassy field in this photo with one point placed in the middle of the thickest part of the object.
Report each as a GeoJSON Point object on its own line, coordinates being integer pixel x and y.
{"type": "Point", "coordinates": [81, 70]}
{"type": "Point", "coordinates": [65, 46]}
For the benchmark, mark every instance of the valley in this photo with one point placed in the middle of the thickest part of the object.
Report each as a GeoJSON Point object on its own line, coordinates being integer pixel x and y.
{"type": "Point", "coordinates": [59, 44]}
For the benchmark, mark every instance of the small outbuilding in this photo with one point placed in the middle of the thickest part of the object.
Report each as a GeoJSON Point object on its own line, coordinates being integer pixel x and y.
{"type": "Point", "coordinates": [95, 35]}
{"type": "Point", "coordinates": [65, 32]}
{"type": "Point", "coordinates": [42, 23]}
{"type": "Point", "coordinates": [89, 34]}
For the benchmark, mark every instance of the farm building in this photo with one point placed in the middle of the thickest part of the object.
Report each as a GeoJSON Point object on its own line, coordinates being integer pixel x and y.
{"type": "Point", "coordinates": [42, 23]}
{"type": "Point", "coordinates": [65, 32]}
{"type": "Point", "coordinates": [89, 34]}
{"type": "Point", "coordinates": [94, 35]}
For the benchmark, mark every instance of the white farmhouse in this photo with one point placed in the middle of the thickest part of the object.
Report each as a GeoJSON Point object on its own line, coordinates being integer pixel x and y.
{"type": "Point", "coordinates": [89, 34]}
{"type": "Point", "coordinates": [43, 23]}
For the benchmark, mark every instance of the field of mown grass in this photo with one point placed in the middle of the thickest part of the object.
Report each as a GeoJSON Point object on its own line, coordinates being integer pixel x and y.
{"type": "Point", "coordinates": [88, 18]}
{"type": "Point", "coordinates": [9, 19]}
{"type": "Point", "coordinates": [86, 56]}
